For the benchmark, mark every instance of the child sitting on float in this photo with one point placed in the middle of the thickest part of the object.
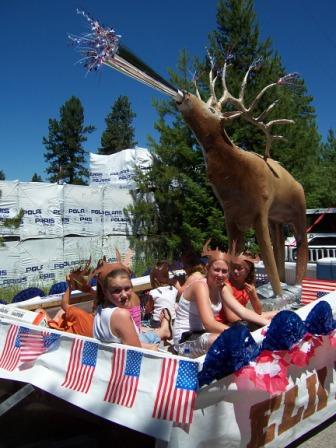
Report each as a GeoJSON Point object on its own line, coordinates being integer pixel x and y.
{"type": "Point", "coordinates": [163, 293]}
{"type": "Point", "coordinates": [113, 321]}
{"type": "Point", "coordinates": [242, 283]}
{"type": "Point", "coordinates": [201, 301]}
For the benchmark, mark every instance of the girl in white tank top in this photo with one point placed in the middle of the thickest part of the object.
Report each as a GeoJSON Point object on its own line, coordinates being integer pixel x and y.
{"type": "Point", "coordinates": [113, 321]}
{"type": "Point", "coordinates": [199, 303]}
{"type": "Point", "coordinates": [195, 320]}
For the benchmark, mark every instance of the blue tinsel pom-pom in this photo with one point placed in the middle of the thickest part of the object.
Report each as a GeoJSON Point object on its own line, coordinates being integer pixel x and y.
{"type": "Point", "coordinates": [232, 350]}
{"type": "Point", "coordinates": [320, 319]}
{"type": "Point", "coordinates": [285, 330]}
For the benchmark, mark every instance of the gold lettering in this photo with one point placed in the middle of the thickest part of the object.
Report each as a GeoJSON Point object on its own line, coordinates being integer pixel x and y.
{"type": "Point", "coordinates": [310, 383]}
{"type": "Point", "coordinates": [288, 419]}
{"type": "Point", "coordinates": [259, 416]}
{"type": "Point", "coordinates": [321, 392]}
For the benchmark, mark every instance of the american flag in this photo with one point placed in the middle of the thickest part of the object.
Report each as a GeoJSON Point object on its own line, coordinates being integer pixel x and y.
{"type": "Point", "coordinates": [312, 287]}
{"type": "Point", "coordinates": [177, 391]}
{"type": "Point", "coordinates": [10, 355]}
{"type": "Point", "coordinates": [321, 294]}
{"type": "Point", "coordinates": [35, 343]}
{"type": "Point", "coordinates": [81, 366]}
{"type": "Point", "coordinates": [124, 379]}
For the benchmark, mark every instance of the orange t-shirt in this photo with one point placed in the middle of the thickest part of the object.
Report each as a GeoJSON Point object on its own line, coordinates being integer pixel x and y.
{"type": "Point", "coordinates": [239, 294]}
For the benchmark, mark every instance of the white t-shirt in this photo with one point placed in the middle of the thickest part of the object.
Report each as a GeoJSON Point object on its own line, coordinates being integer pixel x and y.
{"type": "Point", "coordinates": [164, 297]}
{"type": "Point", "coordinates": [102, 327]}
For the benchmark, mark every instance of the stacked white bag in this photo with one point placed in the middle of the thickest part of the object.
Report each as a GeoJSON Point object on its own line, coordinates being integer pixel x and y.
{"type": "Point", "coordinates": [63, 225]}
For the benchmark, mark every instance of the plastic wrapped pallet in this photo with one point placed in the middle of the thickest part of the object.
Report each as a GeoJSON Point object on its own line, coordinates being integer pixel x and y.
{"type": "Point", "coordinates": [83, 210]}
{"type": "Point", "coordinates": [115, 201]}
{"type": "Point", "coordinates": [42, 205]}
{"type": "Point", "coordinates": [118, 169]}
{"type": "Point", "coordinates": [41, 260]}
{"type": "Point", "coordinates": [9, 206]}
{"type": "Point", "coordinates": [113, 242]}
{"type": "Point", "coordinates": [78, 249]}
{"type": "Point", "coordinates": [10, 267]}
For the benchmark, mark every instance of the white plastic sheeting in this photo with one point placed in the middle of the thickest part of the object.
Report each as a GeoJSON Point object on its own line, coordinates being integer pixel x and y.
{"type": "Point", "coordinates": [53, 211]}
{"type": "Point", "coordinates": [40, 260]}
{"type": "Point", "coordinates": [47, 260]}
{"type": "Point", "coordinates": [83, 210]}
{"type": "Point", "coordinates": [78, 249]}
{"type": "Point", "coordinates": [115, 201]}
{"type": "Point", "coordinates": [10, 269]}
{"type": "Point", "coordinates": [63, 225]}
{"type": "Point", "coordinates": [118, 169]}
{"type": "Point", "coordinates": [113, 242]}
{"type": "Point", "coordinates": [42, 205]}
{"type": "Point", "coordinates": [9, 205]}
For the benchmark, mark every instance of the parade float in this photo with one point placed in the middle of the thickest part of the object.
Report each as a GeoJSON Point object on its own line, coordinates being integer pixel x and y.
{"type": "Point", "coordinates": [265, 388]}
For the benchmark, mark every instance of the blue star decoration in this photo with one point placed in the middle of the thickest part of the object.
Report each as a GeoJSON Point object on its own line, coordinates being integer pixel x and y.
{"type": "Point", "coordinates": [133, 363]}
{"type": "Point", "coordinates": [320, 294]}
{"type": "Point", "coordinates": [187, 375]}
{"type": "Point", "coordinates": [90, 351]}
{"type": "Point", "coordinates": [49, 339]}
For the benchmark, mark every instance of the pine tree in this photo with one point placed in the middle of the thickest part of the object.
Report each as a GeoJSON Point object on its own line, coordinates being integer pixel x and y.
{"type": "Point", "coordinates": [119, 132]}
{"type": "Point", "coordinates": [2, 175]}
{"type": "Point", "coordinates": [36, 178]}
{"type": "Point", "coordinates": [64, 144]}
{"type": "Point", "coordinates": [326, 178]}
{"type": "Point", "coordinates": [329, 149]}
{"type": "Point", "coordinates": [238, 33]}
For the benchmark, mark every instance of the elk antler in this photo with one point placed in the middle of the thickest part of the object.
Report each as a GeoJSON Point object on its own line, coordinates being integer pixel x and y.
{"type": "Point", "coordinates": [237, 258]}
{"type": "Point", "coordinates": [214, 254]}
{"type": "Point", "coordinates": [242, 110]}
{"type": "Point", "coordinates": [80, 278]}
{"type": "Point", "coordinates": [128, 257]}
{"type": "Point", "coordinates": [103, 267]}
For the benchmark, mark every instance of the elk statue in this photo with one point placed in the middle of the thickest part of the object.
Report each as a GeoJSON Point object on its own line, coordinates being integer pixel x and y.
{"type": "Point", "coordinates": [254, 192]}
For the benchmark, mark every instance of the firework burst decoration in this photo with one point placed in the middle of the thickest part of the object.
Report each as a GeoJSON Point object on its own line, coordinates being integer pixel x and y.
{"type": "Point", "coordinates": [101, 46]}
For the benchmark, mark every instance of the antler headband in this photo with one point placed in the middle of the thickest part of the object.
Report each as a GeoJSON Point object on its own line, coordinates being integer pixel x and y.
{"type": "Point", "coordinates": [243, 256]}
{"type": "Point", "coordinates": [104, 268]}
{"type": "Point", "coordinates": [216, 254]}
{"type": "Point", "coordinates": [80, 278]}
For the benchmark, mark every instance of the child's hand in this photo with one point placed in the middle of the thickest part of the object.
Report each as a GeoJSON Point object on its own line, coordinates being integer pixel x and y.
{"type": "Point", "coordinates": [250, 289]}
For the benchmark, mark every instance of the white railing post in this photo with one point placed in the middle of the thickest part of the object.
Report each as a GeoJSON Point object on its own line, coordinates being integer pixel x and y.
{"type": "Point", "coordinates": [315, 253]}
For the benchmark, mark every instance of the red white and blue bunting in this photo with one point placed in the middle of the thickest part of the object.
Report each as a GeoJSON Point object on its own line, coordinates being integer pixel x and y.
{"type": "Point", "coordinates": [288, 341]}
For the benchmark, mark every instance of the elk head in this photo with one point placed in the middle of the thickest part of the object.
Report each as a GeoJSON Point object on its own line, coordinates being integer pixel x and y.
{"type": "Point", "coordinates": [205, 117]}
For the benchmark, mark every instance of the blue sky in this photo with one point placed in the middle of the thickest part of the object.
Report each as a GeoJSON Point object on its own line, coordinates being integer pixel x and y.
{"type": "Point", "coordinates": [39, 72]}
